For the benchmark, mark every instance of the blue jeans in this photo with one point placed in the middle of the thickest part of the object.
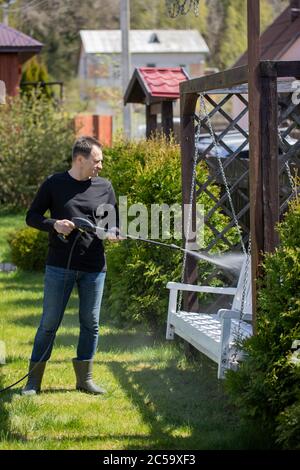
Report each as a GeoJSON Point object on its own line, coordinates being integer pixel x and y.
{"type": "Point", "coordinates": [59, 284]}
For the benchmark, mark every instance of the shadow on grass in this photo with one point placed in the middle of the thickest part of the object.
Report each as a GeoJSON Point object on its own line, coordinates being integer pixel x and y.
{"type": "Point", "coordinates": [176, 404]}
{"type": "Point", "coordinates": [23, 281]}
{"type": "Point", "coordinates": [184, 408]}
{"type": "Point", "coordinates": [5, 399]}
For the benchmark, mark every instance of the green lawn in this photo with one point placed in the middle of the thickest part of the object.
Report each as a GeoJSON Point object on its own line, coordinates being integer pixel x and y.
{"type": "Point", "coordinates": [156, 399]}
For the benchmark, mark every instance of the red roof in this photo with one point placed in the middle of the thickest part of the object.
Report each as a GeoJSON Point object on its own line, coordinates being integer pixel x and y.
{"type": "Point", "coordinates": [277, 38]}
{"type": "Point", "coordinates": [153, 84]}
{"type": "Point", "coordinates": [12, 40]}
{"type": "Point", "coordinates": [163, 82]}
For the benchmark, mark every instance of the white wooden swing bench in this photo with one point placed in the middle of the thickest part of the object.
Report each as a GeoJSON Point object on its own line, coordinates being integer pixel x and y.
{"type": "Point", "coordinates": [214, 334]}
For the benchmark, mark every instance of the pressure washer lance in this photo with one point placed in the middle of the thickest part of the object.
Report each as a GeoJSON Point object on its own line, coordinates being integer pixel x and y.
{"type": "Point", "coordinates": [231, 261]}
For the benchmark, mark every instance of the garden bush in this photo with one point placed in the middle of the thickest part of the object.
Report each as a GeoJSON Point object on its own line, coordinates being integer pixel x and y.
{"type": "Point", "coordinates": [29, 249]}
{"type": "Point", "coordinates": [149, 172]}
{"type": "Point", "coordinates": [267, 386]}
{"type": "Point", "coordinates": [35, 141]}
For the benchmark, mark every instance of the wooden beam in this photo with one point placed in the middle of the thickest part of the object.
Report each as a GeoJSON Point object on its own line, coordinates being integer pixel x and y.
{"type": "Point", "coordinates": [225, 79]}
{"type": "Point", "coordinates": [282, 68]}
{"type": "Point", "coordinates": [256, 196]}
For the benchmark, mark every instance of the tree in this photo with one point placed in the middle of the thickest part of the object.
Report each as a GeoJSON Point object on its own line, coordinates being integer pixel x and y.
{"type": "Point", "coordinates": [234, 34]}
{"type": "Point", "coordinates": [36, 71]}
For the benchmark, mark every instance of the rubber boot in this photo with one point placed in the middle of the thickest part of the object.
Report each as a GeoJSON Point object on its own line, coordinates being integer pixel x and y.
{"type": "Point", "coordinates": [84, 378]}
{"type": "Point", "coordinates": [36, 372]}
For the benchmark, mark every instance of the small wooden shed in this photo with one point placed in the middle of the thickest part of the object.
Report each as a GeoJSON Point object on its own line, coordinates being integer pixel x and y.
{"type": "Point", "coordinates": [157, 88]}
{"type": "Point", "coordinates": [15, 49]}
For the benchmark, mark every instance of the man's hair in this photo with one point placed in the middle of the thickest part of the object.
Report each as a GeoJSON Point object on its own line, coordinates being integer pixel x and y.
{"type": "Point", "coordinates": [84, 145]}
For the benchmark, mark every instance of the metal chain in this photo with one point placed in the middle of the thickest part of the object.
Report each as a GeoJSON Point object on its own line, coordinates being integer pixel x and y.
{"type": "Point", "coordinates": [190, 208]}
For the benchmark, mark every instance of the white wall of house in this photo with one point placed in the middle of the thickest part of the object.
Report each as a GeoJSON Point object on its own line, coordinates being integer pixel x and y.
{"type": "Point", "coordinates": [105, 69]}
{"type": "Point", "coordinates": [99, 67]}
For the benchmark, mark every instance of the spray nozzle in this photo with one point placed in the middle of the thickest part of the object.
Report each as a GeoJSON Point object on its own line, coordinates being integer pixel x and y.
{"type": "Point", "coordinates": [83, 224]}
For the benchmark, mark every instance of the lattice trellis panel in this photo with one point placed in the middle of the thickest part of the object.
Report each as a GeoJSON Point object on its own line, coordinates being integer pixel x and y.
{"type": "Point", "coordinates": [235, 160]}
{"type": "Point", "coordinates": [289, 146]}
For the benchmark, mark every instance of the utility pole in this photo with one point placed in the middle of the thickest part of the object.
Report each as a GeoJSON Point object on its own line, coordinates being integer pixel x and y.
{"type": "Point", "coordinates": [125, 61]}
{"type": "Point", "coordinates": [5, 8]}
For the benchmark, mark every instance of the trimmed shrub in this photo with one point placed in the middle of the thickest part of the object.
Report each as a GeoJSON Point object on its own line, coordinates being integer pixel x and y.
{"type": "Point", "coordinates": [29, 249]}
{"type": "Point", "coordinates": [35, 141]}
{"type": "Point", "coordinates": [149, 172]}
{"type": "Point", "coordinates": [266, 387]}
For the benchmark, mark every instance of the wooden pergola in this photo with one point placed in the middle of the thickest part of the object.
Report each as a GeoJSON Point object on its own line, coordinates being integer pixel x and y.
{"type": "Point", "coordinates": [262, 81]}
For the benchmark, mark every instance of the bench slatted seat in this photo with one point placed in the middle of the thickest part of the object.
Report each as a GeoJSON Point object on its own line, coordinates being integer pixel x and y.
{"type": "Point", "coordinates": [213, 334]}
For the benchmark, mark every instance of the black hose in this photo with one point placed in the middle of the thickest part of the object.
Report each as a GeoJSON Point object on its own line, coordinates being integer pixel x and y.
{"type": "Point", "coordinates": [57, 326]}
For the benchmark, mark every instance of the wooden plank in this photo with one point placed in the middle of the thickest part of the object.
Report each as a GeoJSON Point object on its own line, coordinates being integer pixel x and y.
{"type": "Point", "coordinates": [287, 68]}
{"type": "Point", "coordinates": [207, 289]}
{"type": "Point", "coordinates": [226, 79]}
{"type": "Point", "coordinates": [199, 339]}
{"type": "Point", "coordinates": [283, 86]}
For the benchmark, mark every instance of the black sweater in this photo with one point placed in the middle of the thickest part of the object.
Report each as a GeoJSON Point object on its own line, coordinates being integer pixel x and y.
{"type": "Point", "coordinates": [67, 197]}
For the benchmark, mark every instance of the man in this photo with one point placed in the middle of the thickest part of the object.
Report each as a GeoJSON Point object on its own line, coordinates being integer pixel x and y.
{"type": "Point", "coordinates": [79, 192]}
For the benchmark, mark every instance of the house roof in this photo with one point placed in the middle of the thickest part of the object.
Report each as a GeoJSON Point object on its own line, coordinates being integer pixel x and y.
{"type": "Point", "coordinates": [277, 38]}
{"type": "Point", "coordinates": [12, 40]}
{"type": "Point", "coordinates": [144, 41]}
{"type": "Point", "coordinates": [154, 84]}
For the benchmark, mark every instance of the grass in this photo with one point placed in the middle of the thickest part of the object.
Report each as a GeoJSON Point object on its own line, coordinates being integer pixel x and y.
{"type": "Point", "coordinates": [155, 399]}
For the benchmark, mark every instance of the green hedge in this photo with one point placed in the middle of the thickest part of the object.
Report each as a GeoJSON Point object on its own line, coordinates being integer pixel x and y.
{"type": "Point", "coordinates": [28, 249]}
{"type": "Point", "coordinates": [149, 172]}
{"type": "Point", "coordinates": [35, 141]}
{"type": "Point", "coordinates": [267, 386]}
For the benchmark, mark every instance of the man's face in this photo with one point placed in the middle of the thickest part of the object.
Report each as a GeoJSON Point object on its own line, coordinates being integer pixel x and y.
{"type": "Point", "coordinates": [93, 165]}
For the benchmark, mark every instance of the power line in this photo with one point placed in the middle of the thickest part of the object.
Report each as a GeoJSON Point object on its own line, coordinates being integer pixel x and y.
{"type": "Point", "coordinates": [32, 4]}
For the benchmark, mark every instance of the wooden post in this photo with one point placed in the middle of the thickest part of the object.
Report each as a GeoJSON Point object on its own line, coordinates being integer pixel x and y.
{"type": "Point", "coordinates": [269, 151]}
{"type": "Point", "coordinates": [151, 122]}
{"type": "Point", "coordinates": [167, 118]}
{"type": "Point", "coordinates": [126, 61]}
{"type": "Point", "coordinates": [256, 196]}
{"type": "Point", "coordinates": [264, 179]}
{"type": "Point", "coordinates": [187, 142]}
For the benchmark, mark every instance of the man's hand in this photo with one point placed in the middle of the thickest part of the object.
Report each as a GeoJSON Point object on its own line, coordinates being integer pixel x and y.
{"type": "Point", "coordinates": [64, 226]}
{"type": "Point", "coordinates": [114, 236]}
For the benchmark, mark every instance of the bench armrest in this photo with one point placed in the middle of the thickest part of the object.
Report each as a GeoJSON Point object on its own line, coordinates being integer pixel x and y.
{"type": "Point", "coordinates": [234, 314]}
